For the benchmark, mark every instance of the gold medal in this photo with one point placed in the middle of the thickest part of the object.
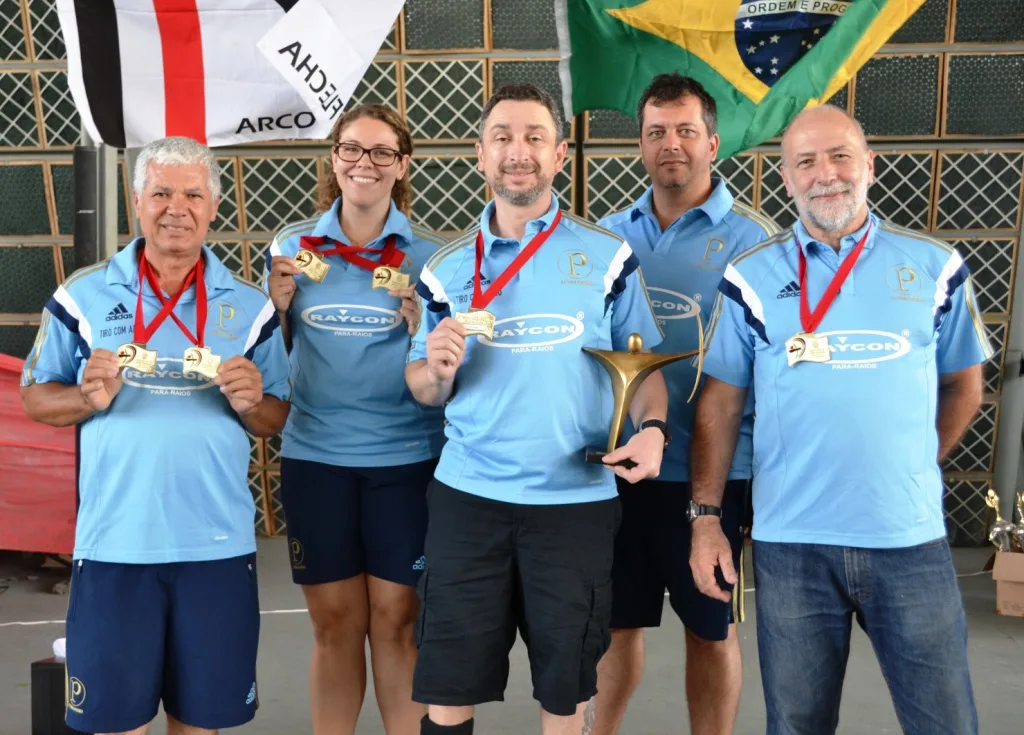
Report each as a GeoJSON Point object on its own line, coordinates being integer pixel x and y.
{"type": "Point", "coordinates": [807, 347]}
{"type": "Point", "coordinates": [477, 321]}
{"type": "Point", "coordinates": [200, 360]}
{"type": "Point", "coordinates": [390, 278]}
{"type": "Point", "coordinates": [312, 264]}
{"type": "Point", "coordinates": [135, 356]}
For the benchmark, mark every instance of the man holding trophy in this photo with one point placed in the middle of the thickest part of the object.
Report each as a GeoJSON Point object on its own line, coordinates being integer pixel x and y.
{"type": "Point", "coordinates": [522, 527]}
{"type": "Point", "coordinates": [863, 382]}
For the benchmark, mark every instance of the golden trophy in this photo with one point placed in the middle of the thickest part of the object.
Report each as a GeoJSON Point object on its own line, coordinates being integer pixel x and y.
{"type": "Point", "coordinates": [1002, 531]}
{"type": "Point", "coordinates": [628, 370]}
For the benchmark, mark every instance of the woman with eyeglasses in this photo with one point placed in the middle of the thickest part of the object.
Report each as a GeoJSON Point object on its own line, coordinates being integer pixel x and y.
{"type": "Point", "coordinates": [358, 451]}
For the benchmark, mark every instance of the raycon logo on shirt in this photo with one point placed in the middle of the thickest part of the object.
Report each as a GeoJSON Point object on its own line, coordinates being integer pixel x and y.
{"type": "Point", "coordinates": [671, 304]}
{"type": "Point", "coordinates": [167, 379]}
{"type": "Point", "coordinates": [864, 348]}
{"type": "Point", "coordinates": [351, 320]}
{"type": "Point", "coordinates": [535, 332]}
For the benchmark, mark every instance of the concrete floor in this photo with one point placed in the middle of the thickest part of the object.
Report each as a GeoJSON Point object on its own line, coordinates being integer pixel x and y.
{"type": "Point", "coordinates": [996, 654]}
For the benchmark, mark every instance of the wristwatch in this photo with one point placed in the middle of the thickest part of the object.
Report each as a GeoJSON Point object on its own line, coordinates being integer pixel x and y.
{"type": "Point", "coordinates": [658, 424]}
{"type": "Point", "coordinates": [697, 509]}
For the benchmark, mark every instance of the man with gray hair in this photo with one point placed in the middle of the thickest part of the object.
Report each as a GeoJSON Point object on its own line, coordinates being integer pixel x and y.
{"type": "Point", "coordinates": [164, 359]}
{"type": "Point", "coordinates": [863, 346]}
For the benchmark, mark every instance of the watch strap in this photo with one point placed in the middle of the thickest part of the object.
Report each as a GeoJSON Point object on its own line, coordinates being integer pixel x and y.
{"type": "Point", "coordinates": [697, 510]}
{"type": "Point", "coordinates": [658, 424]}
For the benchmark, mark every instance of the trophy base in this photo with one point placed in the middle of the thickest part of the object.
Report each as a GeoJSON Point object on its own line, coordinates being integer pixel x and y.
{"type": "Point", "coordinates": [596, 456]}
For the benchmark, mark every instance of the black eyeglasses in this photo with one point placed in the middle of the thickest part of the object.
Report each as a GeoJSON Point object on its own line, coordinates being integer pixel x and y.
{"type": "Point", "coordinates": [353, 152]}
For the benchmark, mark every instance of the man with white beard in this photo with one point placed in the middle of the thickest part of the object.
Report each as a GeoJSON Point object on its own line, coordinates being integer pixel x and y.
{"type": "Point", "coordinates": [863, 344]}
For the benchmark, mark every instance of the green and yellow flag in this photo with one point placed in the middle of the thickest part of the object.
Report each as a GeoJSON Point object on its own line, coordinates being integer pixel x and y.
{"type": "Point", "coordinates": [763, 61]}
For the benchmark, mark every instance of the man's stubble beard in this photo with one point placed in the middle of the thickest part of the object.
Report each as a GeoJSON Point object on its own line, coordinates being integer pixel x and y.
{"type": "Point", "coordinates": [521, 197]}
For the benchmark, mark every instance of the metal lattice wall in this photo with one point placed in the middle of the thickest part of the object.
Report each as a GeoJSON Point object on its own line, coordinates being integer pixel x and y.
{"type": "Point", "coordinates": [943, 104]}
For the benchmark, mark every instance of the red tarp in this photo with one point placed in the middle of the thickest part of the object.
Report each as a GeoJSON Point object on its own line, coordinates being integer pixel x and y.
{"type": "Point", "coordinates": [37, 475]}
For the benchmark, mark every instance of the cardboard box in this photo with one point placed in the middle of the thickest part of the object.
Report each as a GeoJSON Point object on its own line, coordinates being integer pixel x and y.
{"type": "Point", "coordinates": [1008, 572]}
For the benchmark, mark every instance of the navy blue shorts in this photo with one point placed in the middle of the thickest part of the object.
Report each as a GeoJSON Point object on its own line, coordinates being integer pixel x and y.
{"type": "Point", "coordinates": [344, 521]}
{"type": "Point", "coordinates": [185, 633]}
{"type": "Point", "coordinates": [652, 555]}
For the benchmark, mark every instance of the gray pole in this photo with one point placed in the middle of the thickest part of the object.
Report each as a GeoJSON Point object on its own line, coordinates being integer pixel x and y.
{"type": "Point", "coordinates": [1011, 405]}
{"type": "Point", "coordinates": [108, 200]}
{"type": "Point", "coordinates": [87, 228]}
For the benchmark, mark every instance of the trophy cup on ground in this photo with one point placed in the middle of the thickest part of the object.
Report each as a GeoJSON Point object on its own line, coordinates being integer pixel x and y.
{"type": "Point", "coordinates": [627, 371]}
{"type": "Point", "coordinates": [1002, 531]}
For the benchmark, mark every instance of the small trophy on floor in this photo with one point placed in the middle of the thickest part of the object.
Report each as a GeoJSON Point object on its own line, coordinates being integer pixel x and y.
{"type": "Point", "coordinates": [1002, 531]}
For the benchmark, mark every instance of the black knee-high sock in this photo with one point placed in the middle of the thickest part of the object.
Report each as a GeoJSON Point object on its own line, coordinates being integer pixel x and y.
{"type": "Point", "coordinates": [429, 727]}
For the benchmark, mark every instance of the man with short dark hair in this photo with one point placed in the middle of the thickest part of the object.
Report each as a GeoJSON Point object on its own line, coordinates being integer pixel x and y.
{"type": "Point", "coordinates": [683, 229]}
{"type": "Point", "coordinates": [521, 527]}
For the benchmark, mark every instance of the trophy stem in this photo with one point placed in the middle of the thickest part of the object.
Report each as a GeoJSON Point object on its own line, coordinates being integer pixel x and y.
{"type": "Point", "coordinates": [621, 391]}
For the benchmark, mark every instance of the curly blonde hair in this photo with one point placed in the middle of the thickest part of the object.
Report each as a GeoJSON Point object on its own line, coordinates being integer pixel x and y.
{"type": "Point", "coordinates": [328, 189]}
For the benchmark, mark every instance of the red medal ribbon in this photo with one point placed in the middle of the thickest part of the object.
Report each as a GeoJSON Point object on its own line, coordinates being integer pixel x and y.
{"type": "Point", "coordinates": [389, 254]}
{"type": "Point", "coordinates": [482, 299]}
{"type": "Point", "coordinates": [810, 320]}
{"type": "Point", "coordinates": [143, 333]}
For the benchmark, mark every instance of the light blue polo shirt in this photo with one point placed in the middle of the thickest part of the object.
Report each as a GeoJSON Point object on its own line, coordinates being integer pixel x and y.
{"type": "Point", "coordinates": [682, 266]}
{"type": "Point", "coordinates": [164, 470]}
{"type": "Point", "coordinates": [528, 403]}
{"type": "Point", "coordinates": [845, 452]}
{"type": "Point", "coordinates": [351, 406]}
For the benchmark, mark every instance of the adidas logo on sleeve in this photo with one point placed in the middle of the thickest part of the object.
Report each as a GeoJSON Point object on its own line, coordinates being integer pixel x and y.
{"type": "Point", "coordinates": [118, 312]}
{"type": "Point", "coordinates": [791, 289]}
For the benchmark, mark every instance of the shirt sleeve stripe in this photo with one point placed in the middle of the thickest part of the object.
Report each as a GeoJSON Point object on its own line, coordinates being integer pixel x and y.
{"type": "Point", "coordinates": [622, 259]}
{"type": "Point", "coordinates": [735, 287]}
{"type": "Point", "coordinates": [952, 276]}
{"type": "Point", "coordinates": [262, 327]}
{"type": "Point", "coordinates": [432, 290]}
{"type": "Point", "coordinates": [63, 306]}
{"type": "Point", "coordinates": [57, 309]}
{"type": "Point", "coordinates": [623, 263]}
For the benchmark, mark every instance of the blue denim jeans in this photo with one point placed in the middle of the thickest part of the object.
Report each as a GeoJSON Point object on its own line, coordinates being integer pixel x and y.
{"type": "Point", "coordinates": [906, 600]}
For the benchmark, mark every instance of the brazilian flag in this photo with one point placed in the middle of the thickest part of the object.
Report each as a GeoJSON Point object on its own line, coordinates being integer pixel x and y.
{"type": "Point", "coordinates": [762, 61]}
